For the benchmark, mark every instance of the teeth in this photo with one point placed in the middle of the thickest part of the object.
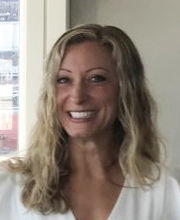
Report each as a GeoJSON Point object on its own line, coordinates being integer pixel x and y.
{"type": "Point", "coordinates": [81, 115]}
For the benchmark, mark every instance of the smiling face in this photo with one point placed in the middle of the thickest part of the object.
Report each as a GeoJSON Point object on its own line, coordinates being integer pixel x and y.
{"type": "Point", "coordinates": [87, 91]}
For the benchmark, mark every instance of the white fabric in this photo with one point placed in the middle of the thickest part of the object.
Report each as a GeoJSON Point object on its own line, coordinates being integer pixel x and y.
{"type": "Point", "coordinates": [160, 202]}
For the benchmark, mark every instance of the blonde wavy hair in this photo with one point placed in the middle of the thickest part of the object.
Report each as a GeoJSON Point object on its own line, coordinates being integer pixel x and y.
{"type": "Point", "coordinates": [46, 164]}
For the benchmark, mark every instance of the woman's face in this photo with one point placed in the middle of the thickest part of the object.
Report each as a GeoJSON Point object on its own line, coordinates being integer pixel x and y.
{"type": "Point", "coordinates": [87, 91]}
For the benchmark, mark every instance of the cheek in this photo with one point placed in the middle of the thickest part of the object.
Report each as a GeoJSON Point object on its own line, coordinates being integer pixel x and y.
{"type": "Point", "coordinates": [60, 107]}
{"type": "Point", "coordinates": [57, 95]}
{"type": "Point", "coordinates": [110, 96]}
{"type": "Point", "coordinates": [109, 104]}
{"type": "Point", "coordinates": [112, 101]}
{"type": "Point", "coordinates": [106, 96]}
{"type": "Point", "coordinates": [60, 98]}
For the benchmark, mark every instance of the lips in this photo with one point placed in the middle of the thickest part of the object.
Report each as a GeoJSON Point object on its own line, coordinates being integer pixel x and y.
{"type": "Point", "coordinates": [79, 115]}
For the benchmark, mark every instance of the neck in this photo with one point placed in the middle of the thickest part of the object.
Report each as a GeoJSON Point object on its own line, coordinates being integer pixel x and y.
{"type": "Point", "coordinates": [91, 157]}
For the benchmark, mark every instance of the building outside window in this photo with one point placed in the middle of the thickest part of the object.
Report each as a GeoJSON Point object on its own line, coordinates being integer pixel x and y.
{"type": "Point", "coordinates": [9, 75]}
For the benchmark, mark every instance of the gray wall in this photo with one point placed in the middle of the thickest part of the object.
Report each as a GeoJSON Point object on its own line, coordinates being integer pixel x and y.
{"type": "Point", "coordinates": [154, 26]}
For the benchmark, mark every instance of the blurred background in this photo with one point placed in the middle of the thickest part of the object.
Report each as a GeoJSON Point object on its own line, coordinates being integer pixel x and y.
{"type": "Point", "coordinates": [9, 77]}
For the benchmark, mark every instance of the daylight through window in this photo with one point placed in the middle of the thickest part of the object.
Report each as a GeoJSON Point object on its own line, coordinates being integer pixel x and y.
{"type": "Point", "coordinates": [9, 75]}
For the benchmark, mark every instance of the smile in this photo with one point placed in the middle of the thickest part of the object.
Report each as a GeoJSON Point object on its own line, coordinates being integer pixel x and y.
{"type": "Point", "coordinates": [82, 115]}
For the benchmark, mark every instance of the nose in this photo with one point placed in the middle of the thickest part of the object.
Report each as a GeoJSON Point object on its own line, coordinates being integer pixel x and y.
{"type": "Point", "coordinates": [79, 92]}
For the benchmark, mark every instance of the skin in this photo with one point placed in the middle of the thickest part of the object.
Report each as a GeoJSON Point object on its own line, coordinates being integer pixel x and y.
{"type": "Point", "coordinates": [87, 81]}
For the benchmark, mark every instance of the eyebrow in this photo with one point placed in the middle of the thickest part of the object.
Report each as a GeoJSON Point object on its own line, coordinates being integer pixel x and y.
{"type": "Point", "coordinates": [94, 68]}
{"type": "Point", "coordinates": [64, 69]}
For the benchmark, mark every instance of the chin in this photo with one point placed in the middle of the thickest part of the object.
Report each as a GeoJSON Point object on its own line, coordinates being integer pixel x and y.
{"type": "Point", "coordinates": [79, 136]}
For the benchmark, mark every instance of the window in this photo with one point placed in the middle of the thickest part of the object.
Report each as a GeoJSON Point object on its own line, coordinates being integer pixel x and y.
{"type": "Point", "coordinates": [9, 75]}
{"type": "Point", "coordinates": [37, 34]}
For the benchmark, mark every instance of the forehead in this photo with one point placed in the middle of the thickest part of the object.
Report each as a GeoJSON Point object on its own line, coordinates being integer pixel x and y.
{"type": "Point", "coordinates": [89, 52]}
{"type": "Point", "coordinates": [89, 44]}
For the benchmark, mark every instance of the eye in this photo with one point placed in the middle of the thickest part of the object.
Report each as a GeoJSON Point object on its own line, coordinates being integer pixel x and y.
{"type": "Point", "coordinates": [98, 78]}
{"type": "Point", "coordinates": [63, 80]}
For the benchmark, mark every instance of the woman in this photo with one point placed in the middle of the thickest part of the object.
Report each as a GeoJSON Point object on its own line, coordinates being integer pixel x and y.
{"type": "Point", "coordinates": [95, 151]}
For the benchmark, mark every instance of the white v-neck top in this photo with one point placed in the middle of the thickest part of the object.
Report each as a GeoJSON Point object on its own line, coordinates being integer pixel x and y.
{"type": "Point", "coordinates": [160, 202]}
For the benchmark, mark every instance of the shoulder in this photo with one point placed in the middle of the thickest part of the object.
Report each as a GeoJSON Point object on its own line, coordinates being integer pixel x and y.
{"type": "Point", "coordinates": [161, 201]}
{"type": "Point", "coordinates": [165, 195]}
{"type": "Point", "coordinates": [6, 178]}
{"type": "Point", "coordinates": [11, 207]}
{"type": "Point", "coordinates": [8, 184]}
{"type": "Point", "coordinates": [171, 199]}
{"type": "Point", "coordinates": [169, 187]}
{"type": "Point", "coordinates": [10, 194]}
{"type": "Point", "coordinates": [10, 177]}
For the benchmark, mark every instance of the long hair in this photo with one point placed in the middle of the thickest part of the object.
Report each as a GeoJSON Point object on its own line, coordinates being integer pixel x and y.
{"type": "Point", "coordinates": [46, 164]}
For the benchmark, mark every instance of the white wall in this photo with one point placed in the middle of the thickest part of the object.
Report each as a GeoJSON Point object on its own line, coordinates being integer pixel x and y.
{"type": "Point", "coordinates": [154, 26]}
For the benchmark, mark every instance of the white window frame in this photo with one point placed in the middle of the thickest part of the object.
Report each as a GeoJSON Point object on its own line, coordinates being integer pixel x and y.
{"type": "Point", "coordinates": [41, 23]}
